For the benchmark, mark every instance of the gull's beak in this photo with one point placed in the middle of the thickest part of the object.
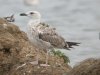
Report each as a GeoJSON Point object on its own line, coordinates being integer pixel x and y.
{"type": "Point", "coordinates": [23, 14]}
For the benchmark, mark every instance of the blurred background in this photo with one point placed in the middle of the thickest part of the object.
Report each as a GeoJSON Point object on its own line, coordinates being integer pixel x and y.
{"type": "Point", "coordinates": [75, 20]}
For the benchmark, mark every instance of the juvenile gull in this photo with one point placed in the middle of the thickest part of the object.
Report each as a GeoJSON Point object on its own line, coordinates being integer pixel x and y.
{"type": "Point", "coordinates": [45, 36]}
{"type": "Point", "coordinates": [31, 2]}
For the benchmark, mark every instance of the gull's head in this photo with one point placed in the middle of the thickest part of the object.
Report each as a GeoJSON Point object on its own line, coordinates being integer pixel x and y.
{"type": "Point", "coordinates": [32, 14]}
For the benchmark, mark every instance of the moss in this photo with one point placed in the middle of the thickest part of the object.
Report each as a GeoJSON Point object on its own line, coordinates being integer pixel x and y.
{"type": "Point", "coordinates": [61, 55]}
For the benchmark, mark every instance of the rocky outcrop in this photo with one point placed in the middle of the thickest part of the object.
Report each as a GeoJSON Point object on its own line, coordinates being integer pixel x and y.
{"type": "Point", "coordinates": [89, 66]}
{"type": "Point", "coordinates": [16, 51]}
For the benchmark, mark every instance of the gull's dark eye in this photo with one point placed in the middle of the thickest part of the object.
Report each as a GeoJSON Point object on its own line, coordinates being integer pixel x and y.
{"type": "Point", "coordinates": [32, 13]}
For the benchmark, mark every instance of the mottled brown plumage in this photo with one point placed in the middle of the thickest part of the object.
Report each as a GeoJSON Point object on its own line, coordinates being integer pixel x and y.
{"type": "Point", "coordinates": [49, 34]}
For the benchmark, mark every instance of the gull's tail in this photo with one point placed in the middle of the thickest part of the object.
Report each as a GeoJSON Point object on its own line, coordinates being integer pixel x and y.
{"type": "Point", "coordinates": [71, 44]}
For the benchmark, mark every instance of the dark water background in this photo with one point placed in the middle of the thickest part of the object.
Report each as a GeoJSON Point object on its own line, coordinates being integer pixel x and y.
{"type": "Point", "coordinates": [75, 20]}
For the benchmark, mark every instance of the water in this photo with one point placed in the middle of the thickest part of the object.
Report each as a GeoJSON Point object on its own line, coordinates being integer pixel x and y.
{"type": "Point", "coordinates": [75, 20]}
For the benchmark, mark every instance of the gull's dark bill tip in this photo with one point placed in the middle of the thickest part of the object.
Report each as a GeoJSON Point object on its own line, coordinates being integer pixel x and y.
{"type": "Point", "coordinates": [23, 14]}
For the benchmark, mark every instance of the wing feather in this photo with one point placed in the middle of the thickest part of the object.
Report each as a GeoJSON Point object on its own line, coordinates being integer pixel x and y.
{"type": "Point", "coordinates": [49, 34]}
{"type": "Point", "coordinates": [54, 40]}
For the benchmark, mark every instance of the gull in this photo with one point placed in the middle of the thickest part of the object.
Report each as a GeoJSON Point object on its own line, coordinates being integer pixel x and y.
{"type": "Point", "coordinates": [31, 2]}
{"type": "Point", "coordinates": [44, 36]}
{"type": "Point", "coordinates": [10, 18]}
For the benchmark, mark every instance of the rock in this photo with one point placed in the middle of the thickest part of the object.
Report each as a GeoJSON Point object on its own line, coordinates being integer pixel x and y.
{"type": "Point", "coordinates": [16, 51]}
{"type": "Point", "coordinates": [90, 66]}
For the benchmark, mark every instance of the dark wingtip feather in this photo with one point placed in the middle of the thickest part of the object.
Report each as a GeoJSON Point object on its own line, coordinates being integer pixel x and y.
{"type": "Point", "coordinates": [71, 44]}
